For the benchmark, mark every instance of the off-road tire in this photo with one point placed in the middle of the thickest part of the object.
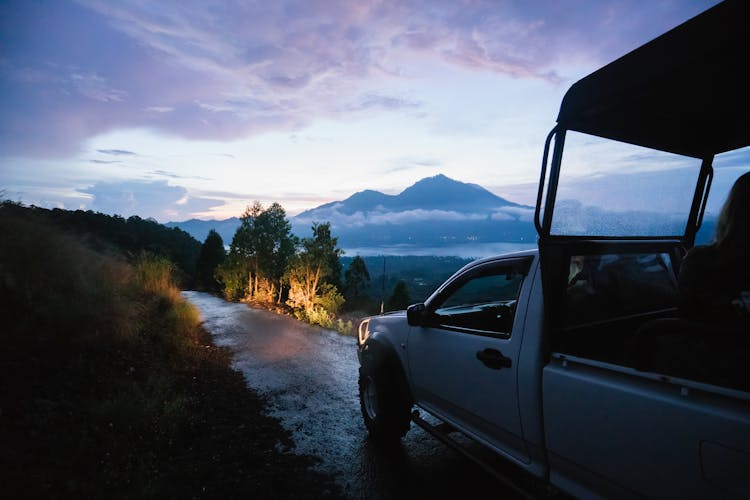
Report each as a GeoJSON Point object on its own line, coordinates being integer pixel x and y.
{"type": "Point", "coordinates": [386, 411]}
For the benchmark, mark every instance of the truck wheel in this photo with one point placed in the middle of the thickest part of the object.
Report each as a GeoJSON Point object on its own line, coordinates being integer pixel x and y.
{"type": "Point", "coordinates": [384, 408]}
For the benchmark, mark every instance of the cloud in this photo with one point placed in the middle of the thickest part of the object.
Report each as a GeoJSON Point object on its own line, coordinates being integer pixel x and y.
{"type": "Point", "coordinates": [381, 217]}
{"type": "Point", "coordinates": [189, 68]}
{"type": "Point", "coordinates": [372, 101]}
{"type": "Point", "coordinates": [523, 214]}
{"type": "Point", "coordinates": [115, 152]}
{"type": "Point", "coordinates": [159, 109]}
{"type": "Point", "coordinates": [97, 88]}
{"type": "Point", "coordinates": [155, 199]}
{"type": "Point", "coordinates": [414, 163]}
{"type": "Point", "coordinates": [172, 175]}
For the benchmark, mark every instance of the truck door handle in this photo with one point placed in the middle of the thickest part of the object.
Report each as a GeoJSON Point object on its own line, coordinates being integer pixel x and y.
{"type": "Point", "coordinates": [492, 358]}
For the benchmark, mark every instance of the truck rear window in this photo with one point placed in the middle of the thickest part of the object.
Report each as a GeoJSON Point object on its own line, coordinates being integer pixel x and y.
{"type": "Point", "coordinates": [611, 286]}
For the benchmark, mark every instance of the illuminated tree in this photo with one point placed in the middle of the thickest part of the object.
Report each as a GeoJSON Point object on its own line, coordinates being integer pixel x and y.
{"type": "Point", "coordinates": [311, 291]}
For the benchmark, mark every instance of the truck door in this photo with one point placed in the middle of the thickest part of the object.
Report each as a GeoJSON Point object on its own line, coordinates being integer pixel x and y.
{"type": "Point", "coordinates": [464, 359]}
{"type": "Point", "coordinates": [677, 426]}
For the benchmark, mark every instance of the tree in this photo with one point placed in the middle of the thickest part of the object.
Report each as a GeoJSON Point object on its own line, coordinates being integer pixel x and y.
{"type": "Point", "coordinates": [400, 298]}
{"type": "Point", "coordinates": [211, 256]}
{"type": "Point", "coordinates": [311, 292]}
{"type": "Point", "coordinates": [233, 275]}
{"type": "Point", "coordinates": [356, 279]}
{"type": "Point", "coordinates": [261, 249]}
{"type": "Point", "coordinates": [242, 251]}
{"type": "Point", "coordinates": [274, 247]}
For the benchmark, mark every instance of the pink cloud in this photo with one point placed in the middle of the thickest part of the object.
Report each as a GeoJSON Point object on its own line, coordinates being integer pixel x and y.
{"type": "Point", "coordinates": [225, 71]}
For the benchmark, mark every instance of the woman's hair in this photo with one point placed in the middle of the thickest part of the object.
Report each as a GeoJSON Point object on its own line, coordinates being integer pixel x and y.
{"type": "Point", "coordinates": [733, 227]}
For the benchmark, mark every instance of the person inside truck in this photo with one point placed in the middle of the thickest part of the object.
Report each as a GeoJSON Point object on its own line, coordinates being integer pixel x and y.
{"type": "Point", "coordinates": [575, 274]}
{"type": "Point", "coordinates": [714, 280]}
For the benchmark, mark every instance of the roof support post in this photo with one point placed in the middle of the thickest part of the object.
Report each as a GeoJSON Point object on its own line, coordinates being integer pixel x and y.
{"type": "Point", "coordinates": [700, 198]}
{"type": "Point", "coordinates": [554, 177]}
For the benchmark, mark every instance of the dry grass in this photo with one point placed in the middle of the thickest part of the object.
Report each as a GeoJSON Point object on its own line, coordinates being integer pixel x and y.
{"type": "Point", "coordinates": [109, 388]}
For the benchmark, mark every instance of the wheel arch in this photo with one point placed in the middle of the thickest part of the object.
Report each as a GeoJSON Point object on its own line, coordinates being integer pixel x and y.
{"type": "Point", "coordinates": [378, 352]}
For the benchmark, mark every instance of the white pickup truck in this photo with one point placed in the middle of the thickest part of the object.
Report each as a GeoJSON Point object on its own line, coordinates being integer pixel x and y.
{"type": "Point", "coordinates": [570, 361]}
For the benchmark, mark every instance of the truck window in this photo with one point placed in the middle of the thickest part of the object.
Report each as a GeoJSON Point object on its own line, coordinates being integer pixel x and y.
{"type": "Point", "coordinates": [603, 287]}
{"type": "Point", "coordinates": [485, 303]}
{"type": "Point", "coordinates": [608, 296]}
{"type": "Point", "coordinates": [608, 188]}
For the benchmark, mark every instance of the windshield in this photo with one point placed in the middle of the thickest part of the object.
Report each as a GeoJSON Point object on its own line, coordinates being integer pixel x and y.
{"type": "Point", "coordinates": [612, 189]}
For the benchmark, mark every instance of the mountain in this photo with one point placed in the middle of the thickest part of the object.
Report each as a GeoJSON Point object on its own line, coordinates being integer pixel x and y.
{"type": "Point", "coordinates": [432, 193]}
{"type": "Point", "coordinates": [439, 212]}
{"type": "Point", "coordinates": [434, 211]}
{"type": "Point", "coordinates": [199, 229]}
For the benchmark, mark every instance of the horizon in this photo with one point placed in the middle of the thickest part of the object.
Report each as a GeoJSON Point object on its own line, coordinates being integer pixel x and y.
{"type": "Point", "coordinates": [174, 112]}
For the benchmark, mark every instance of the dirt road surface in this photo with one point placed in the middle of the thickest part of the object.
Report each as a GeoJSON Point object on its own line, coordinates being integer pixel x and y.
{"type": "Point", "coordinates": [309, 376]}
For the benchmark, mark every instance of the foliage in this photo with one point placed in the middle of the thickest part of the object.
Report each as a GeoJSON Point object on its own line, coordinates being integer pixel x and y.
{"type": "Point", "coordinates": [261, 249]}
{"type": "Point", "coordinates": [267, 264]}
{"type": "Point", "coordinates": [310, 275]}
{"type": "Point", "coordinates": [154, 274]}
{"type": "Point", "coordinates": [356, 279]}
{"type": "Point", "coordinates": [49, 280]}
{"type": "Point", "coordinates": [323, 310]}
{"type": "Point", "coordinates": [275, 245]}
{"type": "Point", "coordinates": [234, 275]}
{"type": "Point", "coordinates": [345, 327]}
{"type": "Point", "coordinates": [115, 234]}
{"type": "Point", "coordinates": [422, 273]}
{"type": "Point", "coordinates": [108, 386]}
{"type": "Point", "coordinates": [400, 298]}
{"type": "Point", "coordinates": [211, 256]}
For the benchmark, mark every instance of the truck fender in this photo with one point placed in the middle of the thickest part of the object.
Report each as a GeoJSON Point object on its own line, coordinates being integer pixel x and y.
{"type": "Point", "coordinates": [377, 353]}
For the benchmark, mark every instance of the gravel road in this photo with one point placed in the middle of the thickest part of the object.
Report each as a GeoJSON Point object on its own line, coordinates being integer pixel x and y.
{"type": "Point", "coordinates": [309, 376]}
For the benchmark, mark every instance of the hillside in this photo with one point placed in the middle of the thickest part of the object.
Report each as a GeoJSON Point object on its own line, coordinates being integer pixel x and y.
{"type": "Point", "coordinates": [110, 388]}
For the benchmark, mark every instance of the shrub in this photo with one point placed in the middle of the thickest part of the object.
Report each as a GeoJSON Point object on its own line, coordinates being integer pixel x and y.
{"type": "Point", "coordinates": [347, 328]}
{"type": "Point", "coordinates": [155, 275]}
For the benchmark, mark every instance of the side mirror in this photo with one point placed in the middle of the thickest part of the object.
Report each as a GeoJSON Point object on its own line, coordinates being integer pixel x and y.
{"type": "Point", "coordinates": [416, 314]}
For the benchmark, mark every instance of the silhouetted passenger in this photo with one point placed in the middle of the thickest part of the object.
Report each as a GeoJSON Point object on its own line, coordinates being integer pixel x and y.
{"type": "Point", "coordinates": [714, 280]}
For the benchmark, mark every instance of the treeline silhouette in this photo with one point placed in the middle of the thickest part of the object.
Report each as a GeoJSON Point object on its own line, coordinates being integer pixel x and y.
{"type": "Point", "coordinates": [358, 285]}
{"type": "Point", "coordinates": [130, 237]}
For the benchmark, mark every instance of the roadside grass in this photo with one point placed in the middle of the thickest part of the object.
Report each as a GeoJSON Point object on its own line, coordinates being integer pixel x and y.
{"type": "Point", "coordinates": [109, 387]}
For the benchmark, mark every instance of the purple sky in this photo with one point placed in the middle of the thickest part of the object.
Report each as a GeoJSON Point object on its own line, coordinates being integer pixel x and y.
{"type": "Point", "coordinates": [176, 109]}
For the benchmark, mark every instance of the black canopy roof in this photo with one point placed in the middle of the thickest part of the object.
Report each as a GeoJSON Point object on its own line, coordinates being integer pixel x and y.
{"type": "Point", "coordinates": [685, 92]}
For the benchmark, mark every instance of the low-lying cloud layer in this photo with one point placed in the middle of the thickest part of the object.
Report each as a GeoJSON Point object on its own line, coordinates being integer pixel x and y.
{"type": "Point", "coordinates": [379, 217]}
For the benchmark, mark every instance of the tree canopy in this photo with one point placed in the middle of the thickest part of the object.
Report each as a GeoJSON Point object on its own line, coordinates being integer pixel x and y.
{"type": "Point", "coordinates": [313, 274]}
{"type": "Point", "coordinates": [259, 254]}
{"type": "Point", "coordinates": [211, 256]}
{"type": "Point", "coordinates": [400, 298]}
{"type": "Point", "coordinates": [356, 279]}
